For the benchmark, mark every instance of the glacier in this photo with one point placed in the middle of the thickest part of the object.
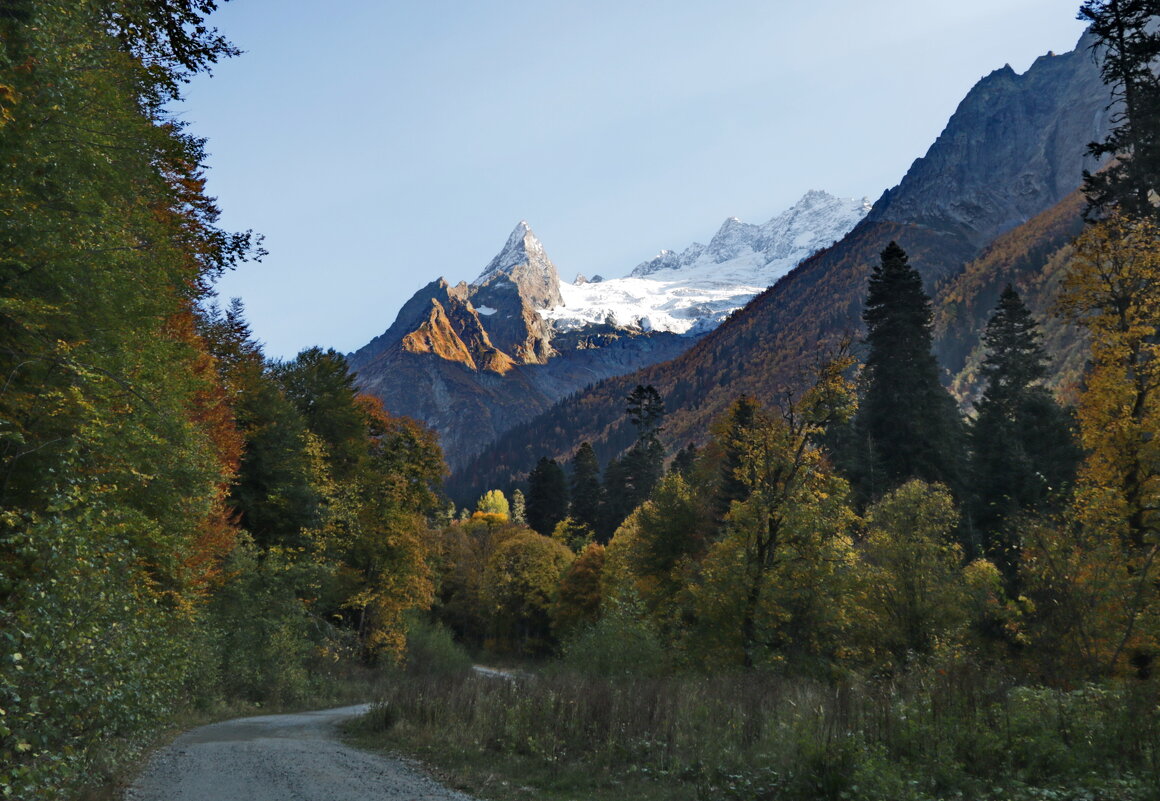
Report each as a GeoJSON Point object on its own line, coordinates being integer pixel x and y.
{"type": "Point", "coordinates": [691, 292]}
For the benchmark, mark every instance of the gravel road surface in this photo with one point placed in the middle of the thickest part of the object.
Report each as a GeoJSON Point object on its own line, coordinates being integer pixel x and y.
{"type": "Point", "coordinates": [279, 758]}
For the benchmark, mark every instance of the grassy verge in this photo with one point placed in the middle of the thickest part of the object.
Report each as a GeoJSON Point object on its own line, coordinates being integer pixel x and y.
{"type": "Point", "coordinates": [962, 734]}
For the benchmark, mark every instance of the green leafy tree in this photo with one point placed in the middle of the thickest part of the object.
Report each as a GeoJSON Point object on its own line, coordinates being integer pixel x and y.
{"type": "Point", "coordinates": [578, 598]}
{"type": "Point", "coordinates": [916, 598]}
{"type": "Point", "coordinates": [275, 492]}
{"type": "Point", "coordinates": [907, 425]}
{"type": "Point", "coordinates": [771, 582]}
{"type": "Point", "coordinates": [388, 548]}
{"type": "Point", "coordinates": [116, 439]}
{"type": "Point", "coordinates": [321, 386]}
{"type": "Point", "coordinates": [519, 586]}
{"type": "Point", "coordinates": [659, 545]}
{"type": "Point", "coordinates": [493, 502]}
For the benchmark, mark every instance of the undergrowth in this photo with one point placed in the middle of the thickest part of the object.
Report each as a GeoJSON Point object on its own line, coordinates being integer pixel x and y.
{"type": "Point", "coordinates": [962, 733]}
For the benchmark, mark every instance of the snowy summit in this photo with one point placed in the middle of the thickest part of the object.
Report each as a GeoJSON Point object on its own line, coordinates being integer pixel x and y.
{"type": "Point", "coordinates": [693, 291]}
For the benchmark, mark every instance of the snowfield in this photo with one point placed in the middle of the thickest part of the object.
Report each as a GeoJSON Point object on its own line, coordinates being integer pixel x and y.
{"type": "Point", "coordinates": [692, 292]}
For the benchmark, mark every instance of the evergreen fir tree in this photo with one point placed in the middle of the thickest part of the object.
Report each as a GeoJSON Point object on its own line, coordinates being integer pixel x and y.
{"type": "Point", "coordinates": [1023, 450]}
{"type": "Point", "coordinates": [587, 494]}
{"type": "Point", "coordinates": [616, 501]}
{"type": "Point", "coordinates": [644, 463]}
{"type": "Point", "coordinates": [547, 500]}
{"type": "Point", "coordinates": [741, 420]}
{"type": "Point", "coordinates": [907, 425]}
{"type": "Point", "coordinates": [1128, 46]}
{"type": "Point", "coordinates": [684, 462]}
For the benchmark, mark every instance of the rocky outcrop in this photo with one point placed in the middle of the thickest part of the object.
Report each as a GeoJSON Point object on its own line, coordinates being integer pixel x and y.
{"type": "Point", "coordinates": [1013, 152]}
{"type": "Point", "coordinates": [472, 360]}
{"type": "Point", "coordinates": [1015, 146]}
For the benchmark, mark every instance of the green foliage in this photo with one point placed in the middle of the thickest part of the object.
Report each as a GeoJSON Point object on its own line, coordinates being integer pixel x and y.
{"type": "Point", "coordinates": [263, 633]}
{"type": "Point", "coordinates": [936, 734]}
{"type": "Point", "coordinates": [914, 596]}
{"type": "Point", "coordinates": [573, 535]}
{"type": "Point", "coordinates": [493, 502]}
{"type": "Point", "coordinates": [579, 597]}
{"type": "Point", "coordinates": [116, 443]}
{"type": "Point", "coordinates": [519, 586]}
{"type": "Point", "coordinates": [621, 643]}
{"type": "Point", "coordinates": [431, 650]}
{"type": "Point", "coordinates": [657, 547]}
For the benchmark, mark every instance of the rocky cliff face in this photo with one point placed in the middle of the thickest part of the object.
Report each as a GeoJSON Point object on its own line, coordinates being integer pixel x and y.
{"type": "Point", "coordinates": [1014, 147]}
{"type": "Point", "coordinates": [1013, 152]}
{"type": "Point", "coordinates": [472, 360]}
{"type": "Point", "coordinates": [518, 283]}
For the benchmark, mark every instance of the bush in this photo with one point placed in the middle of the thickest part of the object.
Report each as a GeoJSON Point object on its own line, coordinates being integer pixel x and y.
{"type": "Point", "coordinates": [432, 651]}
{"type": "Point", "coordinates": [622, 643]}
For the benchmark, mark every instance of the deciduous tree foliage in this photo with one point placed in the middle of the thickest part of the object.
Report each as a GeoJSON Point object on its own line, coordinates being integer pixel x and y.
{"type": "Point", "coordinates": [493, 502]}
{"type": "Point", "coordinates": [915, 594]}
{"type": "Point", "coordinates": [578, 599]}
{"type": "Point", "coordinates": [1112, 291]}
{"type": "Point", "coordinates": [519, 586]}
{"type": "Point", "coordinates": [175, 515]}
{"type": "Point", "coordinates": [116, 445]}
{"type": "Point", "coordinates": [1097, 565]}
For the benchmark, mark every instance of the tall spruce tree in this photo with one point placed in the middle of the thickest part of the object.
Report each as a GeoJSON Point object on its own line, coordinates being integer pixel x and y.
{"type": "Point", "coordinates": [547, 500]}
{"type": "Point", "coordinates": [740, 422]}
{"type": "Point", "coordinates": [907, 425]}
{"type": "Point", "coordinates": [642, 466]}
{"type": "Point", "coordinates": [1023, 451]}
{"type": "Point", "coordinates": [587, 494]}
{"type": "Point", "coordinates": [1128, 48]}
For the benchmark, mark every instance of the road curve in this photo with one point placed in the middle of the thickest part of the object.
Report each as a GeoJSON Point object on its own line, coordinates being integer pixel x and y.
{"type": "Point", "coordinates": [279, 758]}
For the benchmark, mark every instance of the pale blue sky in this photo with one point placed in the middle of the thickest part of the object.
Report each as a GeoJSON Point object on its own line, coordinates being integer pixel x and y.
{"type": "Point", "coordinates": [380, 144]}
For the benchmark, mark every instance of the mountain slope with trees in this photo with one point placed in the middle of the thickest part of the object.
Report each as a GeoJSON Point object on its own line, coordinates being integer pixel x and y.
{"type": "Point", "coordinates": [1006, 123]}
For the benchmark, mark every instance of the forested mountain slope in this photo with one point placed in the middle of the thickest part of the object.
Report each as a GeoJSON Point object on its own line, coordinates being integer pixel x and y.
{"type": "Point", "coordinates": [1005, 156]}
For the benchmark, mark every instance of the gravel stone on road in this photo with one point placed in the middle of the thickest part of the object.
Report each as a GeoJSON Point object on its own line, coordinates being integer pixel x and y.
{"type": "Point", "coordinates": [280, 758]}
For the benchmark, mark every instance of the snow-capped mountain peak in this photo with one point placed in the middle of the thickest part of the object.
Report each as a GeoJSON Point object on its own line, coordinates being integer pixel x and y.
{"type": "Point", "coordinates": [693, 291]}
{"type": "Point", "coordinates": [522, 248]}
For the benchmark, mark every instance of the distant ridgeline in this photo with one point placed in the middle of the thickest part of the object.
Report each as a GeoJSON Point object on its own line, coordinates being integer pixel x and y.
{"type": "Point", "coordinates": [473, 360]}
{"type": "Point", "coordinates": [993, 201]}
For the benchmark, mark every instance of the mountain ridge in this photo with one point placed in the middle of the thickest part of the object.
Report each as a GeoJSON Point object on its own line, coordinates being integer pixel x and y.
{"type": "Point", "coordinates": [510, 323]}
{"type": "Point", "coordinates": [973, 185]}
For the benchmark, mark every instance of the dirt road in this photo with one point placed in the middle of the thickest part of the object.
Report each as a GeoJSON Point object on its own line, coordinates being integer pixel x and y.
{"type": "Point", "coordinates": [279, 758]}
